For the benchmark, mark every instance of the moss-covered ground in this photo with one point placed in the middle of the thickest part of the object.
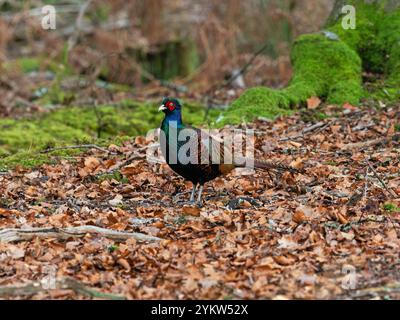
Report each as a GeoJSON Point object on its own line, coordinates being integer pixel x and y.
{"type": "Point", "coordinates": [21, 140]}
{"type": "Point", "coordinates": [329, 64]}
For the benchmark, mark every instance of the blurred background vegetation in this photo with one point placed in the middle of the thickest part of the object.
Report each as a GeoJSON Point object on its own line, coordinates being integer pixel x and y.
{"type": "Point", "coordinates": [100, 73]}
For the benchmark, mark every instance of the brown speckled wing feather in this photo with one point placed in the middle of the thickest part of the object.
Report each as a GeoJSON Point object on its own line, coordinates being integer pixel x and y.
{"type": "Point", "coordinates": [212, 152]}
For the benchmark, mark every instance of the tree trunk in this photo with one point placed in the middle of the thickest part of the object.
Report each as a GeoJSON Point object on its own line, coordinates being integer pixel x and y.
{"type": "Point", "coordinates": [329, 64]}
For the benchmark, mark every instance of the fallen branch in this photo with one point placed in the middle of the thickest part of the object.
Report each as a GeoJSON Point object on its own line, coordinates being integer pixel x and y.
{"type": "Point", "coordinates": [133, 157]}
{"type": "Point", "coordinates": [389, 288]}
{"type": "Point", "coordinates": [211, 91]}
{"type": "Point", "coordinates": [370, 143]}
{"type": "Point", "coordinates": [391, 192]}
{"type": "Point", "coordinates": [22, 14]}
{"type": "Point", "coordinates": [72, 284]}
{"type": "Point", "coordinates": [83, 146]}
{"type": "Point", "coordinates": [33, 288]}
{"type": "Point", "coordinates": [307, 130]}
{"type": "Point", "coordinates": [108, 26]}
{"type": "Point", "coordinates": [13, 235]}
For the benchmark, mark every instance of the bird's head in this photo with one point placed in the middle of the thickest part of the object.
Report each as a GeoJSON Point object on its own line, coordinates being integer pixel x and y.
{"type": "Point", "coordinates": [170, 105]}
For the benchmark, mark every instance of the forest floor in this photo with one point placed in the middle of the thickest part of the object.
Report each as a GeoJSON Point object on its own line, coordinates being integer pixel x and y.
{"type": "Point", "coordinates": [329, 233]}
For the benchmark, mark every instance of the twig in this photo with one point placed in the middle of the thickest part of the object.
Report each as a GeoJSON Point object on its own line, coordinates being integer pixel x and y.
{"type": "Point", "coordinates": [109, 26]}
{"type": "Point", "coordinates": [67, 8]}
{"type": "Point", "coordinates": [72, 284]}
{"type": "Point", "coordinates": [231, 79]}
{"type": "Point", "coordinates": [243, 69]}
{"type": "Point", "coordinates": [83, 146]}
{"type": "Point", "coordinates": [364, 196]}
{"type": "Point", "coordinates": [33, 288]}
{"type": "Point", "coordinates": [391, 192]}
{"type": "Point", "coordinates": [370, 143]}
{"type": "Point", "coordinates": [391, 287]}
{"type": "Point", "coordinates": [306, 130]}
{"type": "Point", "coordinates": [135, 156]}
{"type": "Point", "coordinates": [13, 235]}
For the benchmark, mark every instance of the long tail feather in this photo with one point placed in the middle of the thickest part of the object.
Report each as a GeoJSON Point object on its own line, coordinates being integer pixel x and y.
{"type": "Point", "coordinates": [263, 164]}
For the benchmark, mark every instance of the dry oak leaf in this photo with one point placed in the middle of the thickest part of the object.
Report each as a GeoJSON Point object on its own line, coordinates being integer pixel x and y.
{"type": "Point", "coordinates": [91, 163]}
{"type": "Point", "coordinates": [349, 107]}
{"type": "Point", "coordinates": [191, 211]}
{"type": "Point", "coordinates": [6, 212]}
{"type": "Point", "coordinates": [313, 102]}
{"type": "Point", "coordinates": [302, 214]}
{"type": "Point", "coordinates": [298, 163]}
{"type": "Point", "coordinates": [125, 264]}
{"type": "Point", "coordinates": [284, 260]}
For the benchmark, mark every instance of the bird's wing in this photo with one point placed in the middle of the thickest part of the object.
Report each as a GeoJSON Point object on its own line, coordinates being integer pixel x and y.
{"type": "Point", "coordinates": [213, 151]}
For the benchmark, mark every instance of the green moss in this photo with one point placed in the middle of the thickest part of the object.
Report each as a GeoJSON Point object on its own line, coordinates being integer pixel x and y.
{"type": "Point", "coordinates": [112, 248]}
{"type": "Point", "coordinates": [261, 102]}
{"type": "Point", "coordinates": [376, 40]}
{"type": "Point", "coordinates": [113, 176]}
{"type": "Point", "coordinates": [29, 64]}
{"type": "Point", "coordinates": [325, 68]}
{"type": "Point", "coordinates": [329, 64]}
{"type": "Point", "coordinates": [391, 207]}
{"type": "Point", "coordinates": [364, 38]}
{"type": "Point", "coordinates": [22, 140]}
{"type": "Point", "coordinates": [25, 64]}
{"type": "Point", "coordinates": [322, 67]}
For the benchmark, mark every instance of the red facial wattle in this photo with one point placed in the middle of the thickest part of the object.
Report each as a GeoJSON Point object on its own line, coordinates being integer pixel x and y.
{"type": "Point", "coordinates": [170, 105]}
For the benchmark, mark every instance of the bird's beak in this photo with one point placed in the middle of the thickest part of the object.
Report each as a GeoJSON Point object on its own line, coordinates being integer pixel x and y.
{"type": "Point", "coordinates": [162, 108]}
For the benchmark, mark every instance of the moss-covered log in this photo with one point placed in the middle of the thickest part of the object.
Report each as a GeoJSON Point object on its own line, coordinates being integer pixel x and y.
{"type": "Point", "coordinates": [329, 64]}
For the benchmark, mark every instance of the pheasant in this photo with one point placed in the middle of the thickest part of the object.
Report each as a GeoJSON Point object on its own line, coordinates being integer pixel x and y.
{"type": "Point", "coordinates": [199, 157]}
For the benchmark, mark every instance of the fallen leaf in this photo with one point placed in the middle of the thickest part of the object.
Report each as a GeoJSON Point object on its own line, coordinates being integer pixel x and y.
{"type": "Point", "coordinates": [191, 211]}
{"type": "Point", "coordinates": [284, 260]}
{"type": "Point", "coordinates": [116, 201]}
{"type": "Point", "coordinates": [313, 102]}
{"type": "Point", "coordinates": [124, 263]}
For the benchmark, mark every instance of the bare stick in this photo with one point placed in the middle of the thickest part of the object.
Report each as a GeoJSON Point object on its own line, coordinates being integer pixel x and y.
{"type": "Point", "coordinates": [370, 143]}
{"type": "Point", "coordinates": [13, 235]}
{"type": "Point", "coordinates": [364, 196]}
{"type": "Point", "coordinates": [33, 288]}
{"type": "Point", "coordinates": [135, 156]}
{"type": "Point", "coordinates": [306, 130]}
{"type": "Point", "coordinates": [83, 146]}
{"type": "Point", "coordinates": [232, 78]}
{"type": "Point", "coordinates": [391, 192]}
{"type": "Point", "coordinates": [391, 287]}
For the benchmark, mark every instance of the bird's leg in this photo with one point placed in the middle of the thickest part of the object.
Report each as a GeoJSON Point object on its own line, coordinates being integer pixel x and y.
{"type": "Point", "coordinates": [199, 195]}
{"type": "Point", "coordinates": [193, 193]}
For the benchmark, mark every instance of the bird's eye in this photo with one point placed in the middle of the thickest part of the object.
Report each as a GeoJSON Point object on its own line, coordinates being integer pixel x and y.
{"type": "Point", "coordinates": [170, 106]}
